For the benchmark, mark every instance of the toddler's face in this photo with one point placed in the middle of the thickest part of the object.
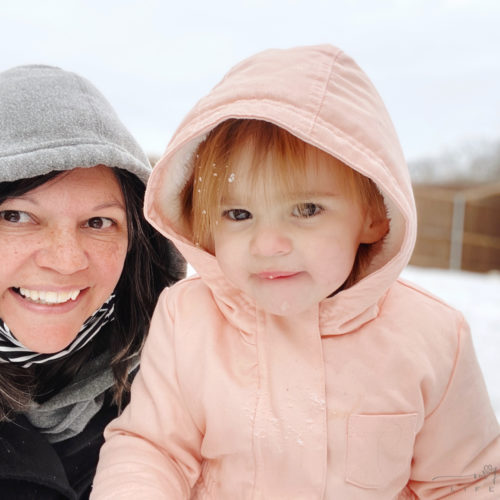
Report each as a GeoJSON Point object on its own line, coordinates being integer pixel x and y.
{"type": "Point", "coordinates": [289, 253]}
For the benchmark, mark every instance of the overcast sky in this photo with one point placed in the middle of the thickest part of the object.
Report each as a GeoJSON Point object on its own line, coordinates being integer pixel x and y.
{"type": "Point", "coordinates": [436, 63]}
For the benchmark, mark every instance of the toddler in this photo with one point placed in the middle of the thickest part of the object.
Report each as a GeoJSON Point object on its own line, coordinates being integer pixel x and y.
{"type": "Point", "coordinates": [297, 364]}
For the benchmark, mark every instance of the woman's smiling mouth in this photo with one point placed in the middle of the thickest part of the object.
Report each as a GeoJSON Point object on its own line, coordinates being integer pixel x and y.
{"type": "Point", "coordinates": [48, 297]}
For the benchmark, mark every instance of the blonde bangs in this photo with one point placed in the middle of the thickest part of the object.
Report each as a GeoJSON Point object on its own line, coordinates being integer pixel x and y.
{"type": "Point", "coordinates": [216, 168]}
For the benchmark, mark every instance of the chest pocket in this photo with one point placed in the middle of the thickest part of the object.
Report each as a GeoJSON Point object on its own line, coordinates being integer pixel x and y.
{"type": "Point", "coordinates": [379, 449]}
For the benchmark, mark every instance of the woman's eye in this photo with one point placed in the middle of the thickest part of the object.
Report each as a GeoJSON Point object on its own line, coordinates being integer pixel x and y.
{"type": "Point", "coordinates": [99, 223]}
{"type": "Point", "coordinates": [14, 216]}
{"type": "Point", "coordinates": [237, 214]}
{"type": "Point", "coordinates": [306, 210]}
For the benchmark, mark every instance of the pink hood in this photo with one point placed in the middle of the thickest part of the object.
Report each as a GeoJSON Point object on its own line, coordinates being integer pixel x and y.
{"type": "Point", "coordinates": [331, 104]}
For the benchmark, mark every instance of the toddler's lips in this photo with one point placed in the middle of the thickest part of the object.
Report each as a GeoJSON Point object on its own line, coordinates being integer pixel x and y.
{"type": "Point", "coordinates": [274, 275]}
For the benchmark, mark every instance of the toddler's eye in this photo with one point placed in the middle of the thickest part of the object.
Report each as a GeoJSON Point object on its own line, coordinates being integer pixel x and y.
{"type": "Point", "coordinates": [14, 216]}
{"type": "Point", "coordinates": [306, 210]}
{"type": "Point", "coordinates": [237, 214]}
{"type": "Point", "coordinates": [99, 223]}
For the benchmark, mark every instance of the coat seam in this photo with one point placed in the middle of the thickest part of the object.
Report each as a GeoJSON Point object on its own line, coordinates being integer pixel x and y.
{"type": "Point", "coordinates": [453, 369]}
{"type": "Point", "coordinates": [257, 401]}
{"type": "Point", "coordinates": [325, 85]}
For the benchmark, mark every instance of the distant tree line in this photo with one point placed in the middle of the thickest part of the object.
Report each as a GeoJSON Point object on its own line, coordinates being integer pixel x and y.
{"type": "Point", "coordinates": [476, 162]}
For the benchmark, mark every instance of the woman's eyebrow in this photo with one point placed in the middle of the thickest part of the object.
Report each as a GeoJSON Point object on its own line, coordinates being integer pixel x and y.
{"type": "Point", "coordinates": [114, 203]}
{"type": "Point", "coordinates": [110, 204]}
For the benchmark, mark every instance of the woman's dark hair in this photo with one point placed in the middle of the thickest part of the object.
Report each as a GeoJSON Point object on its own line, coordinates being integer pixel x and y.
{"type": "Point", "coordinates": [151, 264]}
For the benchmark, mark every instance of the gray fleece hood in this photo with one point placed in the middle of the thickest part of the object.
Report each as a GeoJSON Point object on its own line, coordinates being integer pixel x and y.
{"type": "Point", "coordinates": [51, 119]}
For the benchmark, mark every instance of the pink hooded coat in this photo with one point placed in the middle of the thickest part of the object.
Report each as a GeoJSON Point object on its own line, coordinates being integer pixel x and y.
{"type": "Point", "coordinates": [373, 394]}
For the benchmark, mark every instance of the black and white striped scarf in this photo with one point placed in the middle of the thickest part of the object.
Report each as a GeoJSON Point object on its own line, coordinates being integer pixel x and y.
{"type": "Point", "coordinates": [12, 351]}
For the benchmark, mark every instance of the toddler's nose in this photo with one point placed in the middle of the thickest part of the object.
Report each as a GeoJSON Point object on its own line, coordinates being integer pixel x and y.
{"type": "Point", "coordinates": [270, 241]}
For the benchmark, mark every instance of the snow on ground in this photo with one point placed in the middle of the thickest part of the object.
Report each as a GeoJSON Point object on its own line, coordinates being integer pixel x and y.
{"type": "Point", "coordinates": [477, 296]}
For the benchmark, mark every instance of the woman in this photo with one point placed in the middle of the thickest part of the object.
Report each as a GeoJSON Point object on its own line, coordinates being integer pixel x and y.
{"type": "Point", "coordinates": [81, 272]}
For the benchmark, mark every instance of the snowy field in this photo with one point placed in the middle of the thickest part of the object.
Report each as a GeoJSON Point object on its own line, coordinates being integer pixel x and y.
{"type": "Point", "coordinates": [478, 297]}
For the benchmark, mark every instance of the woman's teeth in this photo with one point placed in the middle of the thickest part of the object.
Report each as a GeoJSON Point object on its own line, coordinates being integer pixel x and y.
{"type": "Point", "coordinates": [49, 298]}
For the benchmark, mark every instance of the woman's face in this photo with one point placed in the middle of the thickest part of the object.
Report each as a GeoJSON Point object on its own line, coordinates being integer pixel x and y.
{"type": "Point", "coordinates": [63, 246]}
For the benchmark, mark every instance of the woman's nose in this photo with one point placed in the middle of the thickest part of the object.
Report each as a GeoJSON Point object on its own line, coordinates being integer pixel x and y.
{"type": "Point", "coordinates": [62, 251]}
{"type": "Point", "coordinates": [270, 241]}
